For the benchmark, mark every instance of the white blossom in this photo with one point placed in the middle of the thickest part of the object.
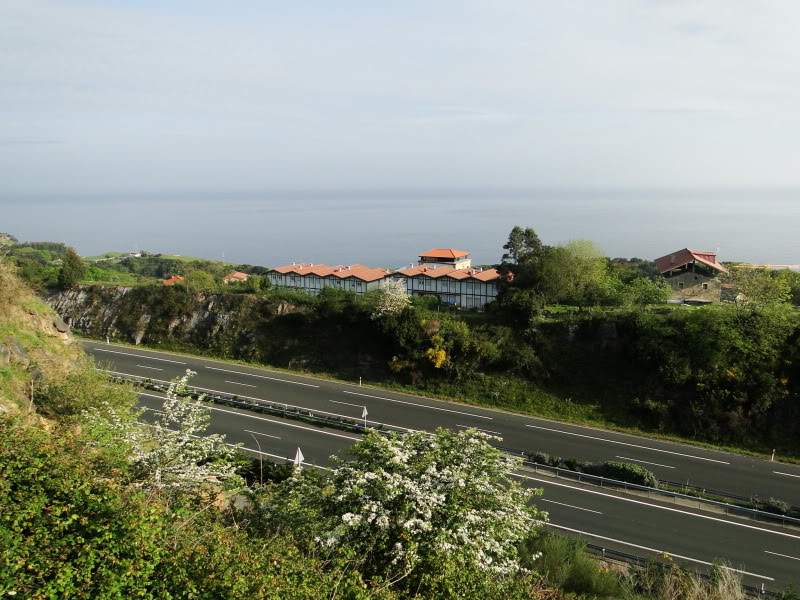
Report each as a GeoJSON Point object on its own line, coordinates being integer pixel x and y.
{"type": "Point", "coordinates": [414, 498]}
{"type": "Point", "coordinates": [172, 452]}
{"type": "Point", "coordinates": [393, 298]}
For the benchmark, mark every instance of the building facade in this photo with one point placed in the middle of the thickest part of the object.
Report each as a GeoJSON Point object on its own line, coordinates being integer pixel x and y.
{"type": "Point", "coordinates": [692, 275]}
{"type": "Point", "coordinates": [442, 272]}
{"type": "Point", "coordinates": [313, 278]}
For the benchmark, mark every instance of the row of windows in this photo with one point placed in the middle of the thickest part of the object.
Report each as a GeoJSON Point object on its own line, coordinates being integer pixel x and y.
{"type": "Point", "coordinates": [445, 285]}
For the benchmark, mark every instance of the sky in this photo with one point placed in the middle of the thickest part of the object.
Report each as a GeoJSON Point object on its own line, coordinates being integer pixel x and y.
{"type": "Point", "coordinates": [167, 95]}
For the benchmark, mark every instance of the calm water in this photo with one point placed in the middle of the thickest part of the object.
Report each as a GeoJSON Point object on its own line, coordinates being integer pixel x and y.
{"type": "Point", "coordinates": [389, 229]}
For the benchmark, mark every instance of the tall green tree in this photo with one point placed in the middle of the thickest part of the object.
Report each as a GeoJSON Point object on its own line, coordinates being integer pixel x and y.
{"type": "Point", "coordinates": [574, 273]}
{"type": "Point", "coordinates": [72, 270]}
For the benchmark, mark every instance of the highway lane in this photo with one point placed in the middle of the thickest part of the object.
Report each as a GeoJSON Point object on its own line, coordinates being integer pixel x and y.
{"type": "Point", "coordinates": [737, 474]}
{"type": "Point", "coordinates": [762, 553]}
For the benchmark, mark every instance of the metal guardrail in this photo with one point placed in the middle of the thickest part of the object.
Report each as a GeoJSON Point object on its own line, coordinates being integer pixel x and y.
{"type": "Point", "coordinates": [331, 420]}
{"type": "Point", "coordinates": [640, 561]}
{"type": "Point", "coordinates": [728, 509]}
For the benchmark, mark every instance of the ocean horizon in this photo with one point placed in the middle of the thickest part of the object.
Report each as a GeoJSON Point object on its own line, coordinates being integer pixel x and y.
{"type": "Point", "coordinates": [389, 228]}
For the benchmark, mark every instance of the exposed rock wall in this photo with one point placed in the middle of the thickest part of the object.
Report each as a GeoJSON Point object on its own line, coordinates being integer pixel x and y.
{"type": "Point", "coordinates": [242, 326]}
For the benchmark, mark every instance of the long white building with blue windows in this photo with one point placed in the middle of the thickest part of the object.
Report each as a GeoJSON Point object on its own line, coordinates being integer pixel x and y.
{"type": "Point", "coordinates": [443, 272]}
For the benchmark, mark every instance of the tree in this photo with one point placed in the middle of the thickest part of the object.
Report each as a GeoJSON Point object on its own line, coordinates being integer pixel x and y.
{"type": "Point", "coordinates": [523, 257]}
{"type": "Point", "coordinates": [759, 289]}
{"type": "Point", "coordinates": [72, 270]}
{"type": "Point", "coordinates": [393, 299]}
{"type": "Point", "coordinates": [408, 503]}
{"type": "Point", "coordinates": [574, 272]}
{"type": "Point", "coordinates": [199, 280]}
{"type": "Point", "coordinates": [173, 452]}
{"type": "Point", "coordinates": [643, 291]}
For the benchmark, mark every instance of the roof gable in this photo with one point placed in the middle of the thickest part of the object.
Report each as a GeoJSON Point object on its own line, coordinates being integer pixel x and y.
{"type": "Point", "coordinates": [686, 256]}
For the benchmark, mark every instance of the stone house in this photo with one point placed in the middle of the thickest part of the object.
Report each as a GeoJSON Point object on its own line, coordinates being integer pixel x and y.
{"type": "Point", "coordinates": [692, 275]}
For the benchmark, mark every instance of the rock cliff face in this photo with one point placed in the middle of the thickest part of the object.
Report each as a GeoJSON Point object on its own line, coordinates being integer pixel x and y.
{"type": "Point", "coordinates": [227, 325]}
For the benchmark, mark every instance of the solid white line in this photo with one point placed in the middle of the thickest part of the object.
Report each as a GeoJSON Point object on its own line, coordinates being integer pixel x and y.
{"type": "Point", "coordinates": [479, 429]}
{"type": "Point", "coordinates": [702, 562]}
{"type": "Point", "coordinates": [233, 412]}
{"type": "Point", "coordinates": [146, 367]}
{"type": "Point", "coordinates": [262, 376]}
{"type": "Point", "coordinates": [783, 555]}
{"type": "Point", "coordinates": [570, 506]}
{"type": "Point", "coordinates": [644, 461]}
{"type": "Point", "coordinates": [347, 403]}
{"type": "Point", "coordinates": [264, 434]}
{"type": "Point", "coordinates": [787, 474]}
{"type": "Point", "coordinates": [458, 412]}
{"type": "Point", "coordinates": [237, 383]}
{"type": "Point", "coordinates": [177, 362]}
{"type": "Point", "coordinates": [667, 508]}
{"type": "Point", "coordinates": [627, 444]}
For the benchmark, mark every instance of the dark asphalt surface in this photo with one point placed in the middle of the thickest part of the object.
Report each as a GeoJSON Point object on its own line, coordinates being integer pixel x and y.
{"type": "Point", "coordinates": [635, 525]}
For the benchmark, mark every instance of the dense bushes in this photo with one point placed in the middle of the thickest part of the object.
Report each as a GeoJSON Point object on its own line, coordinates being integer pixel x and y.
{"type": "Point", "coordinates": [67, 532]}
{"type": "Point", "coordinates": [622, 471]}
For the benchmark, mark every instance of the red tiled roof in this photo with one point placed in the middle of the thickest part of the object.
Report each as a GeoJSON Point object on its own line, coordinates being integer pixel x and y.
{"type": "Point", "coordinates": [434, 272]}
{"type": "Point", "coordinates": [685, 256]}
{"type": "Point", "coordinates": [237, 275]}
{"type": "Point", "coordinates": [173, 279]}
{"type": "Point", "coordinates": [444, 253]}
{"type": "Point", "coordinates": [341, 271]}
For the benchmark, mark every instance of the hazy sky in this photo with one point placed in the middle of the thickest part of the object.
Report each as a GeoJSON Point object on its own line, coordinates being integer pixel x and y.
{"type": "Point", "coordinates": [205, 95]}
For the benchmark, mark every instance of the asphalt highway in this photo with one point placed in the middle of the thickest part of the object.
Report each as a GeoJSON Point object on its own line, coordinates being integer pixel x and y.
{"type": "Point", "coordinates": [763, 553]}
{"type": "Point", "coordinates": [714, 470]}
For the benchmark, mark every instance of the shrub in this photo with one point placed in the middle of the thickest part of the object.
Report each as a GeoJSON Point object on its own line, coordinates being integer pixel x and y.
{"type": "Point", "coordinates": [779, 507]}
{"type": "Point", "coordinates": [630, 473]}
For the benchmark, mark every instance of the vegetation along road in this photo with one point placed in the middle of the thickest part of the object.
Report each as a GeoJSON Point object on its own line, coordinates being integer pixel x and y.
{"type": "Point", "coordinates": [766, 554]}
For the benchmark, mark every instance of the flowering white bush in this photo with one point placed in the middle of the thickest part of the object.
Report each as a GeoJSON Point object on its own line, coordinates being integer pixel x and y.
{"type": "Point", "coordinates": [173, 451]}
{"type": "Point", "coordinates": [393, 299]}
{"type": "Point", "coordinates": [415, 500]}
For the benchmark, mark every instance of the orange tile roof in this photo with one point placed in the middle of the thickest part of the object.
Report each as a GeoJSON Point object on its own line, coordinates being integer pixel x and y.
{"type": "Point", "coordinates": [487, 275]}
{"type": "Point", "coordinates": [238, 275]}
{"type": "Point", "coordinates": [340, 271]}
{"type": "Point", "coordinates": [444, 253]}
{"type": "Point", "coordinates": [173, 279]}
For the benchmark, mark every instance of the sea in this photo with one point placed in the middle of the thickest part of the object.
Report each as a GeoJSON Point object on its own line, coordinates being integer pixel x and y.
{"type": "Point", "coordinates": [390, 228]}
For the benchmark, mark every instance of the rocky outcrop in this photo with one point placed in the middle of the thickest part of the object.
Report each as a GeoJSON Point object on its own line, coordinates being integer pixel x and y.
{"type": "Point", "coordinates": [242, 326]}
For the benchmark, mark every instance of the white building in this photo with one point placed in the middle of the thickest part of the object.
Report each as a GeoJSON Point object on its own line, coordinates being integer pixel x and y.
{"type": "Point", "coordinates": [312, 278]}
{"type": "Point", "coordinates": [442, 272]}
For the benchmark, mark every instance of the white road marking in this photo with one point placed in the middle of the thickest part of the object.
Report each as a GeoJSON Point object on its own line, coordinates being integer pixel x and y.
{"type": "Point", "coordinates": [479, 429]}
{"type": "Point", "coordinates": [458, 412]}
{"type": "Point", "coordinates": [264, 434]}
{"type": "Point", "coordinates": [146, 367]}
{"type": "Point", "coordinates": [237, 383]}
{"type": "Point", "coordinates": [644, 461]}
{"type": "Point", "coordinates": [311, 410]}
{"type": "Point", "coordinates": [787, 474]}
{"type": "Point", "coordinates": [348, 403]}
{"type": "Point", "coordinates": [659, 507]}
{"type": "Point", "coordinates": [702, 562]}
{"type": "Point", "coordinates": [570, 506]}
{"type": "Point", "coordinates": [233, 412]}
{"type": "Point", "coordinates": [627, 444]}
{"type": "Point", "coordinates": [177, 362]}
{"type": "Point", "coordinates": [783, 555]}
{"type": "Point", "coordinates": [158, 412]}
{"type": "Point", "coordinates": [262, 377]}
